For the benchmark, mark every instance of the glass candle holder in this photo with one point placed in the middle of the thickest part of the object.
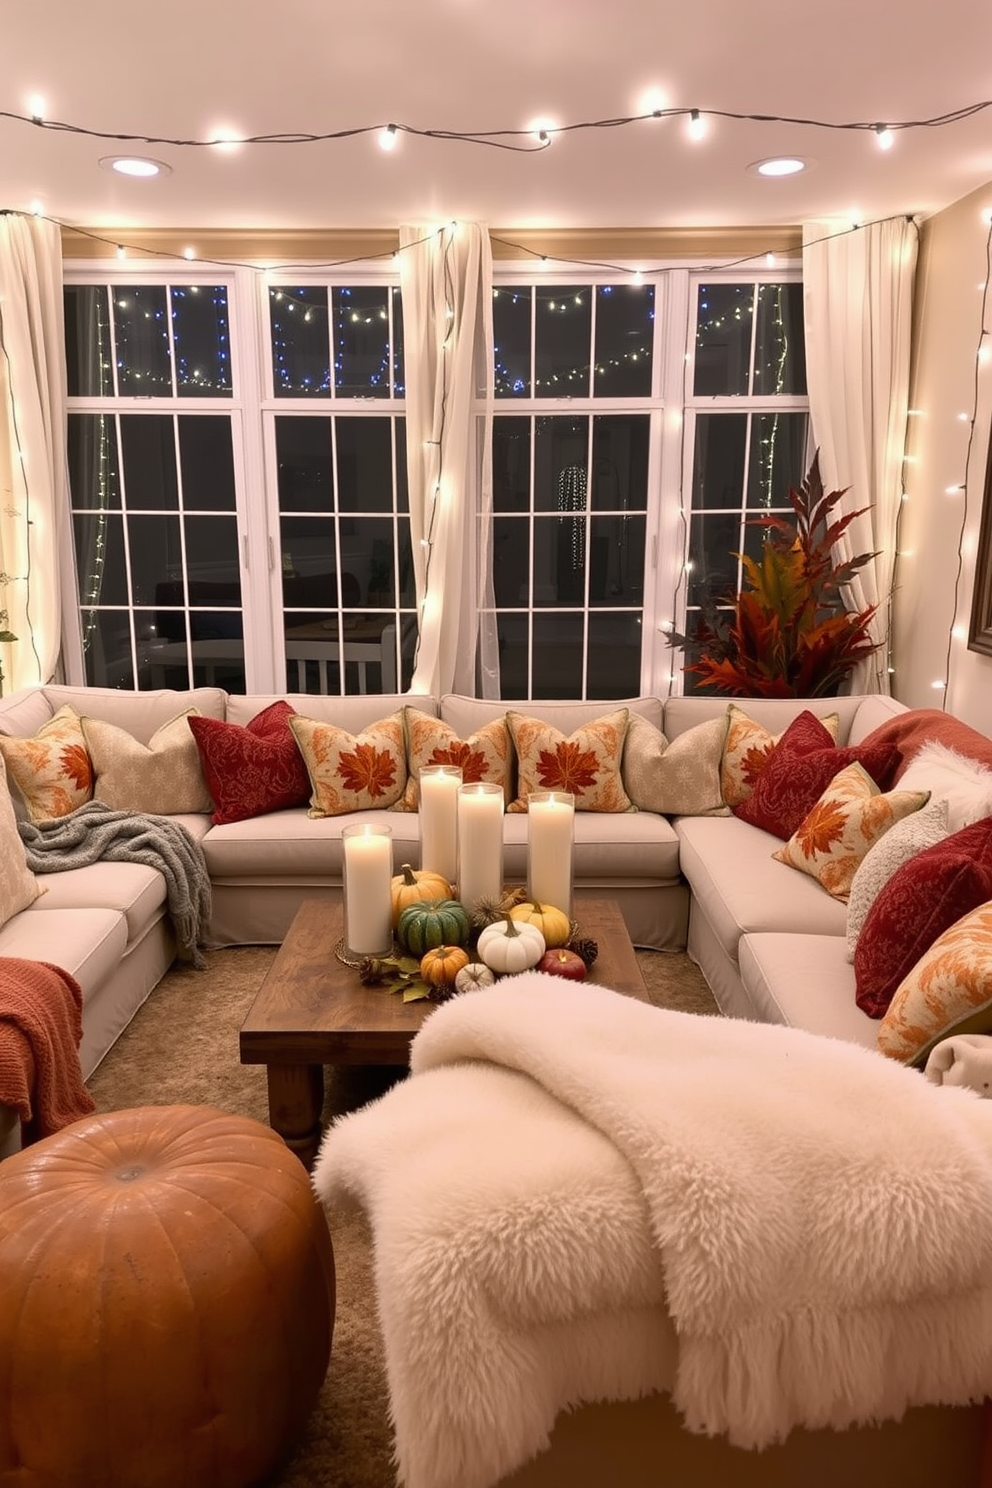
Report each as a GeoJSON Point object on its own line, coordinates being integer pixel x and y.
{"type": "Point", "coordinates": [367, 849]}
{"type": "Point", "coordinates": [439, 819]}
{"type": "Point", "coordinates": [550, 840]}
{"type": "Point", "coordinates": [480, 841]}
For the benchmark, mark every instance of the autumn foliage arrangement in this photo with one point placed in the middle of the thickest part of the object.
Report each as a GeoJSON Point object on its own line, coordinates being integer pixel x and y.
{"type": "Point", "coordinates": [787, 633]}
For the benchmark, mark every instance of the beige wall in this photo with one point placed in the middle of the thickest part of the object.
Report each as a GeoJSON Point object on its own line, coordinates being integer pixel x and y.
{"type": "Point", "coordinates": [930, 621]}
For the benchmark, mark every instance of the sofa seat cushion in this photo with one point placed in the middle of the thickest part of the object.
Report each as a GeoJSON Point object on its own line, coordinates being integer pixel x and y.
{"type": "Point", "coordinates": [292, 846]}
{"type": "Point", "coordinates": [87, 943]}
{"type": "Point", "coordinates": [740, 888]}
{"type": "Point", "coordinates": [132, 889]}
{"type": "Point", "coordinates": [629, 847]}
{"type": "Point", "coordinates": [807, 982]}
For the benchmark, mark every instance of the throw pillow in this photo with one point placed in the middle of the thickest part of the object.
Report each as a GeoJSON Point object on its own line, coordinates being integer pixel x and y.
{"type": "Point", "coordinates": [251, 769]}
{"type": "Point", "coordinates": [916, 906]}
{"type": "Point", "coordinates": [749, 747]}
{"type": "Point", "coordinates": [900, 843]}
{"type": "Point", "coordinates": [52, 771]}
{"type": "Point", "coordinates": [848, 818]}
{"type": "Point", "coordinates": [952, 777]}
{"type": "Point", "coordinates": [948, 991]}
{"type": "Point", "coordinates": [677, 777]}
{"type": "Point", "coordinates": [798, 773]}
{"type": "Point", "coordinates": [162, 777]}
{"type": "Point", "coordinates": [352, 772]}
{"type": "Point", "coordinates": [485, 755]}
{"type": "Point", "coordinates": [587, 763]}
{"type": "Point", "coordinates": [18, 885]}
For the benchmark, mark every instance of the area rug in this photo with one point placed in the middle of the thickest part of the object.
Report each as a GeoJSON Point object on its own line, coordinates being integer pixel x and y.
{"type": "Point", "coordinates": [182, 1047]}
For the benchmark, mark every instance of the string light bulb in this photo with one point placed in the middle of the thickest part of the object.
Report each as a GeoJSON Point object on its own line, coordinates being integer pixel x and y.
{"type": "Point", "coordinates": [696, 127]}
{"type": "Point", "coordinates": [884, 137]}
{"type": "Point", "coordinates": [387, 138]}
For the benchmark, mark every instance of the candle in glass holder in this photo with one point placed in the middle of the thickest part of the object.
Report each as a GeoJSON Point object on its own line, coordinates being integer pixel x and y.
{"type": "Point", "coordinates": [550, 835]}
{"type": "Point", "coordinates": [367, 848]}
{"type": "Point", "coordinates": [439, 819]}
{"type": "Point", "coordinates": [480, 841]}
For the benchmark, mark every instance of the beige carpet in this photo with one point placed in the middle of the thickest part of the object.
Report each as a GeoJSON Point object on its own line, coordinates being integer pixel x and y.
{"type": "Point", "coordinates": [183, 1048]}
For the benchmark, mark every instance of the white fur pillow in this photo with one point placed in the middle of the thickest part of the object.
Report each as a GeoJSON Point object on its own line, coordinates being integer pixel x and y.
{"type": "Point", "coordinates": [900, 843]}
{"type": "Point", "coordinates": [962, 783]}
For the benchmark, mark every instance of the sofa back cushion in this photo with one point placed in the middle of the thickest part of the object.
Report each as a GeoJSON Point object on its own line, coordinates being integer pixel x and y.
{"type": "Point", "coordinates": [466, 714]}
{"type": "Point", "coordinates": [352, 713]}
{"type": "Point", "coordinates": [682, 713]}
{"type": "Point", "coordinates": [23, 713]}
{"type": "Point", "coordinates": [139, 714]}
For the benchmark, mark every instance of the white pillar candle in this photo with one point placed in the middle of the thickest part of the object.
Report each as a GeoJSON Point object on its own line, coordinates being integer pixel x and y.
{"type": "Point", "coordinates": [439, 819]}
{"type": "Point", "coordinates": [480, 842]}
{"type": "Point", "coordinates": [550, 834]}
{"type": "Point", "coordinates": [368, 871]}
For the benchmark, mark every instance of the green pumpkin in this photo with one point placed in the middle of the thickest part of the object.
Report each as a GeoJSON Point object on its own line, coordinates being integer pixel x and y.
{"type": "Point", "coordinates": [429, 923]}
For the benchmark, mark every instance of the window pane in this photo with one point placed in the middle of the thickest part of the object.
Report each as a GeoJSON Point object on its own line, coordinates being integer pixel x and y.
{"type": "Point", "coordinates": [367, 561]}
{"type": "Point", "coordinates": [718, 462]}
{"type": "Point", "coordinates": [89, 362]}
{"type": "Point", "coordinates": [201, 335]}
{"type": "Point", "coordinates": [614, 669]}
{"type": "Point", "coordinates": [365, 464]}
{"type": "Point", "coordinates": [402, 487]}
{"type": "Point", "coordinates": [144, 365]}
{"type": "Point", "coordinates": [561, 456]}
{"type": "Point", "coordinates": [399, 369]}
{"type": "Point", "coordinates": [156, 555]}
{"type": "Point", "coordinates": [304, 469]}
{"type": "Point", "coordinates": [301, 347]}
{"type": "Point", "coordinates": [361, 342]}
{"type": "Point", "coordinates": [408, 595]}
{"type": "Point", "coordinates": [562, 339]}
{"type": "Point", "coordinates": [309, 563]}
{"type": "Point", "coordinates": [511, 464]}
{"type": "Point", "coordinates": [616, 573]}
{"type": "Point", "coordinates": [94, 478]}
{"type": "Point", "coordinates": [511, 560]}
{"type": "Point", "coordinates": [620, 444]}
{"type": "Point", "coordinates": [512, 640]}
{"type": "Point", "coordinates": [624, 340]}
{"type": "Point", "coordinates": [100, 566]}
{"type": "Point", "coordinates": [148, 446]}
{"type": "Point", "coordinates": [712, 541]}
{"type": "Point", "coordinates": [511, 337]}
{"type": "Point", "coordinates": [107, 648]}
{"type": "Point", "coordinates": [206, 462]}
{"type": "Point", "coordinates": [559, 560]}
{"type": "Point", "coordinates": [723, 339]}
{"type": "Point", "coordinates": [780, 349]}
{"type": "Point", "coordinates": [777, 458]}
{"type": "Point", "coordinates": [212, 550]}
{"type": "Point", "coordinates": [557, 656]}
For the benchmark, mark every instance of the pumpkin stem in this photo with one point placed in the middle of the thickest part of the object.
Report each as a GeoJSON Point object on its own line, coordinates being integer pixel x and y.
{"type": "Point", "coordinates": [409, 877]}
{"type": "Point", "coordinates": [511, 927]}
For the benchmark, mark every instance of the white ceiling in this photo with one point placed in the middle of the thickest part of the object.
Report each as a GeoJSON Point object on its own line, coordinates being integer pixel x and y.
{"type": "Point", "coordinates": [191, 68]}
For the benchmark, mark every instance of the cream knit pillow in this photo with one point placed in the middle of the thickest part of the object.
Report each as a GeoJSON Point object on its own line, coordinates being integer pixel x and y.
{"type": "Point", "coordinates": [886, 857]}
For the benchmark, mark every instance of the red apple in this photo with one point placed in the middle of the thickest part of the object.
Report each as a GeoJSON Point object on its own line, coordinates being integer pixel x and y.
{"type": "Point", "coordinates": [563, 963]}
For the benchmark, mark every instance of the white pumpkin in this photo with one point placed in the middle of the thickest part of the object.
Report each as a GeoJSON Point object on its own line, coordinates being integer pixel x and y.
{"type": "Point", "coordinates": [473, 977]}
{"type": "Point", "coordinates": [509, 946]}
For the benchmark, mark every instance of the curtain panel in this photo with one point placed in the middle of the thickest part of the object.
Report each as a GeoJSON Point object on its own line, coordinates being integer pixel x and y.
{"type": "Point", "coordinates": [857, 294]}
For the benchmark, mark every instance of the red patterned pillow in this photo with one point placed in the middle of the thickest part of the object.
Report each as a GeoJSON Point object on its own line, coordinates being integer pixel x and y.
{"type": "Point", "coordinates": [919, 902]}
{"type": "Point", "coordinates": [252, 770]}
{"type": "Point", "coordinates": [798, 772]}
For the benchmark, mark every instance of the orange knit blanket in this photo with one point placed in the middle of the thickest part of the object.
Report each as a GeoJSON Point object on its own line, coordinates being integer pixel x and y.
{"type": "Point", "coordinates": [40, 1031]}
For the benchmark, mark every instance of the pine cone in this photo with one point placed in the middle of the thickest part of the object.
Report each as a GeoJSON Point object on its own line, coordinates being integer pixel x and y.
{"type": "Point", "coordinates": [584, 946]}
{"type": "Point", "coordinates": [440, 994]}
{"type": "Point", "coordinates": [372, 969]}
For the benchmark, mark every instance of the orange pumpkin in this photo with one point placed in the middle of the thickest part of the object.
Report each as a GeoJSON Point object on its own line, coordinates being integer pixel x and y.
{"type": "Point", "coordinates": [167, 1302]}
{"type": "Point", "coordinates": [440, 966]}
{"type": "Point", "coordinates": [411, 885]}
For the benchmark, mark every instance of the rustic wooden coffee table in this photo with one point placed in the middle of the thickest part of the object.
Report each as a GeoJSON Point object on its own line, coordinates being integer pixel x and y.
{"type": "Point", "coordinates": [313, 1011]}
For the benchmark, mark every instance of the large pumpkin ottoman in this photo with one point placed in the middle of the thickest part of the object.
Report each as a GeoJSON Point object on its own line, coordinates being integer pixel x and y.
{"type": "Point", "coordinates": [166, 1302]}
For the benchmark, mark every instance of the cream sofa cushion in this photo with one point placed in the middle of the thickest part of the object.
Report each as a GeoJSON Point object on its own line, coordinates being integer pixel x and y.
{"type": "Point", "coordinates": [140, 714]}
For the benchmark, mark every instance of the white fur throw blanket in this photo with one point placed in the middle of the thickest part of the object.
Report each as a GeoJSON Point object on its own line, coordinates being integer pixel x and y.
{"type": "Point", "coordinates": [570, 1173]}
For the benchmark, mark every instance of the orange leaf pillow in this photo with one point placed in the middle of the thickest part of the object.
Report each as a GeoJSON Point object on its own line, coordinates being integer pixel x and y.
{"type": "Point", "coordinates": [948, 991]}
{"type": "Point", "coordinates": [747, 750]}
{"type": "Point", "coordinates": [849, 817]}
{"type": "Point", "coordinates": [352, 772]}
{"type": "Point", "coordinates": [484, 755]}
{"type": "Point", "coordinates": [587, 763]}
{"type": "Point", "coordinates": [52, 771]}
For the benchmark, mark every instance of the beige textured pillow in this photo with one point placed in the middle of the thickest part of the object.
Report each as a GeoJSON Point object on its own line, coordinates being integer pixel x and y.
{"type": "Point", "coordinates": [18, 885]}
{"type": "Point", "coordinates": [352, 772]}
{"type": "Point", "coordinates": [51, 771]}
{"type": "Point", "coordinates": [587, 763]}
{"type": "Point", "coordinates": [162, 777]}
{"type": "Point", "coordinates": [678, 777]}
{"type": "Point", "coordinates": [746, 751]}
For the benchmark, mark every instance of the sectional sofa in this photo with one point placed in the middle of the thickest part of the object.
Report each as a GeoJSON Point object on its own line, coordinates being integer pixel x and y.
{"type": "Point", "coordinates": [770, 940]}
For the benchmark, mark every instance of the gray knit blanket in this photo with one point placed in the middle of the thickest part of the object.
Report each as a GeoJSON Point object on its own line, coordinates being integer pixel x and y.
{"type": "Point", "coordinates": [96, 832]}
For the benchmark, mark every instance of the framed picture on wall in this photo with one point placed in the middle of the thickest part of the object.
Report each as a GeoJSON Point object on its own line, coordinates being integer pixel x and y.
{"type": "Point", "coordinates": [980, 630]}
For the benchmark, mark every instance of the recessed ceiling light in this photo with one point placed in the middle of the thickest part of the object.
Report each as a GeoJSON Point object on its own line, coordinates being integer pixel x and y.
{"type": "Point", "coordinates": [780, 165]}
{"type": "Point", "coordinates": [135, 165]}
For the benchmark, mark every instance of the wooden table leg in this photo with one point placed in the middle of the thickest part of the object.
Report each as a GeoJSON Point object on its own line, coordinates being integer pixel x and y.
{"type": "Point", "coordinates": [296, 1100]}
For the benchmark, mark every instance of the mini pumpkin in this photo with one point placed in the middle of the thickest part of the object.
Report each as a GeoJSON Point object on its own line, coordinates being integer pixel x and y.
{"type": "Point", "coordinates": [415, 886]}
{"type": "Point", "coordinates": [440, 966]}
{"type": "Point", "coordinates": [554, 924]}
{"type": "Point", "coordinates": [474, 976]}
{"type": "Point", "coordinates": [426, 924]}
{"type": "Point", "coordinates": [510, 945]}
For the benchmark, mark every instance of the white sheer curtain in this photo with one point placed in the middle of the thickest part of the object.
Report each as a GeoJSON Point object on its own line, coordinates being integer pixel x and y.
{"type": "Point", "coordinates": [33, 477]}
{"type": "Point", "coordinates": [857, 291]}
{"type": "Point", "coordinates": [446, 281]}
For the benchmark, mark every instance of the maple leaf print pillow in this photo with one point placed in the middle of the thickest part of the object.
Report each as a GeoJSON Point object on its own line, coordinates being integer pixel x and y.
{"type": "Point", "coordinates": [485, 755]}
{"type": "Point", "coordinates": [587, 763]}
{"type": "Point", "coordinates": [749, 747]}
{"type": "Point", "coordinates": [352, 772]}
{"type": "Point", "coordinates": [52, 771]}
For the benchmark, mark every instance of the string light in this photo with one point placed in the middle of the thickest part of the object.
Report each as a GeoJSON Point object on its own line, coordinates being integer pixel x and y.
{"type": "Point", "coordinates": [387, 139]}
{"type": "Point", "coordinates": [884, 136]}
{"type": "Point", "coordinates": [695, 128]}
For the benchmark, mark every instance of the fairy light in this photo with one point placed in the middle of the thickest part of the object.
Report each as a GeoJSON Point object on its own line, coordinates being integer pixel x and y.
{"type": "Point", "coordinates": [388, 138]}
{"type": "Point", "coordinates": [884, 137]}
{"type": "Point", "coordinates": [696, 127]}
